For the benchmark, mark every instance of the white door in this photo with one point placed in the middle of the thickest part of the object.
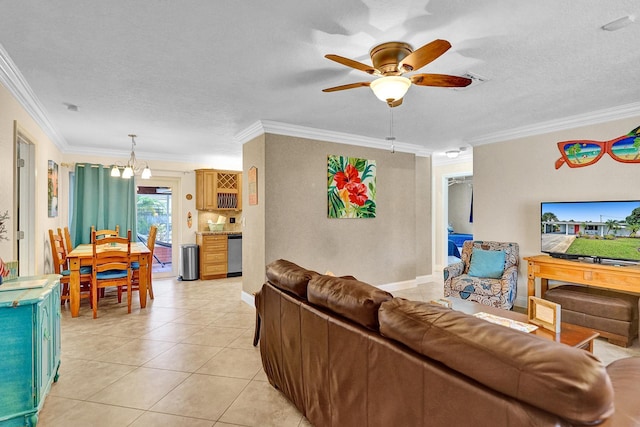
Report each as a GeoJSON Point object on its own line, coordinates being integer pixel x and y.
{"type": "Point", "coordinates": [25, 204]}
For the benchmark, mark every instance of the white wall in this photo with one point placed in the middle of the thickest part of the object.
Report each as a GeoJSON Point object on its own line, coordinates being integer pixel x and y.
{"type": "Point", "coordinates": [511, 178]}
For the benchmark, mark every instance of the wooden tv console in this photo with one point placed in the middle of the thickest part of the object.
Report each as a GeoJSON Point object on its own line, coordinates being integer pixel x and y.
{"type": "Point", "coordinates": [624, 278]}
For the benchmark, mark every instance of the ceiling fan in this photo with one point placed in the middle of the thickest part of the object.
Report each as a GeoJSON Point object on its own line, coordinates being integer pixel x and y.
{"type": "Point", "coordinates": [390, 61]}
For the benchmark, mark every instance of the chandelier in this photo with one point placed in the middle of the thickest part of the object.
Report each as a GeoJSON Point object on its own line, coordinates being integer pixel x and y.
{"type": "Point", "coordinates": [131, 168]}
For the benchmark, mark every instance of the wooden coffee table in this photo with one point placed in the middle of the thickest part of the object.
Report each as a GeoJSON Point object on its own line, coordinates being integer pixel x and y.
{"type": "Point", "coordinates": [573, 335]}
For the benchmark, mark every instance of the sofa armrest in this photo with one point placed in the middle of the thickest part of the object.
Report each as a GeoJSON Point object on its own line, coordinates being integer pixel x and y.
{"type": "Point", "coordinates": [453, 270]}
{"type": "Point", "coordinates": [625, 379]}
{"type": "Point", "coordinates": [509, 278]}
{"type": "Point", "coordinates": [259, 307]}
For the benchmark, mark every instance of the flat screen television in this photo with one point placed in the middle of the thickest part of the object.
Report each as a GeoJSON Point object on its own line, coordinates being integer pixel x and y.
{"type": "Point", "coordinates": [604, 230]}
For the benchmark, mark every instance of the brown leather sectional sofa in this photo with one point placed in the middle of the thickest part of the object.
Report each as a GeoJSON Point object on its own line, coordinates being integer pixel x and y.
{"type": "Point", "coordinates": [349, 354]}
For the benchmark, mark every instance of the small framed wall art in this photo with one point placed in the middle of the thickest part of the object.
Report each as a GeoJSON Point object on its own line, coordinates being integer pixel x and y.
{"type": "Point", "coordinates": [52, 178]}
{"type": "Point", "coordinates": [253, 186]}
{"type": "Point", "coordinates": [351, 190]}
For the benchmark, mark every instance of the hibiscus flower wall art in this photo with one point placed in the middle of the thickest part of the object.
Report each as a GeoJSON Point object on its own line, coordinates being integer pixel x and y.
{"type": "Point", "coordinates": [351, 187]}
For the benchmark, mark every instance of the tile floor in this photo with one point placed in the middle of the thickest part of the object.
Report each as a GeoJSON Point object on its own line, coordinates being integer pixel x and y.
{"type": "Point", "coordinates": [185, 360]}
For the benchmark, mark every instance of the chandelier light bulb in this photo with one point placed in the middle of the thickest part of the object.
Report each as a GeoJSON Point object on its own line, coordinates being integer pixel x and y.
{"type": "Point", "coordinates": [128, 172]}
{"type": "Point", "coordinates": [115, 171]}
{"type": "Point", "coordinates": [146, 173]}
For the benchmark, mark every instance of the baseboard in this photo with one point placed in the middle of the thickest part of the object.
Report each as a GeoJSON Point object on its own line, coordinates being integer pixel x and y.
{"type": "Point", "coordinates": [248, 298]}
{"type": "Point", "coordinates": [398, 286]}
{"type": "Point", "coordinates": [521, 302]}
{"type": "Point", "coordinates": [426, 278]}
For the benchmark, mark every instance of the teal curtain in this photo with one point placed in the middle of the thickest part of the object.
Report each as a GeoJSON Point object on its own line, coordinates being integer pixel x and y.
{"type": "Point", "coordinates": [102, 201]}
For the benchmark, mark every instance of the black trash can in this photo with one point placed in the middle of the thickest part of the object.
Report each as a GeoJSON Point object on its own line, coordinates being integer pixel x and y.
{"type": "Point", "coordinates": [189, 262]}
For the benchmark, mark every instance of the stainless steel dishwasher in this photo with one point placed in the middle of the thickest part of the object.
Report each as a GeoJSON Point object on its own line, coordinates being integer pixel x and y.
{"type": "Point", "coordinates": [234, 255]}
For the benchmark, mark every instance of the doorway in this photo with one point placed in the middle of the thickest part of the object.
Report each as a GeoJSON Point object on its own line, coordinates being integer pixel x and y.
{"type": "Point", "coordinates": [155, 206]}
{"type": "Point", "coordinates": [457, 213]}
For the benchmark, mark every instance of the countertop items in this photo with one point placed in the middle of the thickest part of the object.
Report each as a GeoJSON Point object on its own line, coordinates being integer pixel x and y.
{"type": "Point", "coordinates": [211, 233]}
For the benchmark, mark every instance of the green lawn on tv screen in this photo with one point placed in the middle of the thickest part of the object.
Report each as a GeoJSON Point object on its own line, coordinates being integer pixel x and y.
{"type": "Point", "coordinates": [620, 247]}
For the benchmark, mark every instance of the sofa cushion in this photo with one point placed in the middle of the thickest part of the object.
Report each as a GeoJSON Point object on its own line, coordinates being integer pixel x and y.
{"type": "Point", "coordinates": [565, 381]}
{"type": "Point", "coordinates": [355, 300]}
{"type": "Point", "coordinates": [486, 263]}
{"type": "Point", "coordinates": [289, 277]}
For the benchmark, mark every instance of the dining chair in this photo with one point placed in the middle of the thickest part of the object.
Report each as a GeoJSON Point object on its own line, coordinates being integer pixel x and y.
{"type": "Point", "coordinates": [111, 266]}
{"type": "Point", "coordinates": [104, 233]}
{"type": "Point", "coordinates": [151, 243]}
{"type": "Point", "coordinates": [67, 239]}
{"type": "Point", "coordinates": [59, 260]}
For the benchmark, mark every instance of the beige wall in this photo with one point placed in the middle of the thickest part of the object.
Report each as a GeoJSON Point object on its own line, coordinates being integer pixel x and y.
{"type": "Point", "coordinates": [511, 178]}
{"type": "Point", "coordinates": [253, 231]}
{"type": "Point", "coordinates": [379, 250]}
{"type": "Point", "coordinates": [424, 254]}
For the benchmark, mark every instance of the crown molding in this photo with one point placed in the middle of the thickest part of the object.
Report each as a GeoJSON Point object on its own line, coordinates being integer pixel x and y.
{"type": "Point", "coordinates": [15, 82]}
{"type": "Point", "coordinates": [571, 122]}
{"type": "Point", "coordinates": [278, 128]}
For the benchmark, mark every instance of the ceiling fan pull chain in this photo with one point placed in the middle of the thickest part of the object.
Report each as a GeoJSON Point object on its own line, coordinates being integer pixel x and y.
{"type": "Point", "coordinates": [391, 138]}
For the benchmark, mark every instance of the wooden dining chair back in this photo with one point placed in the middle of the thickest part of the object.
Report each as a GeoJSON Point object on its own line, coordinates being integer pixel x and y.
{"type": "Point", "coordinates": [151, 243]}
{"type": "Point", "coordinates": [99, 234]}
{"type": "Point", "coordinates": [59, 260]}
{"type": "Point", "coordinates": [67, 239]}
{"type": "Point", "coordinates": [111, 266]}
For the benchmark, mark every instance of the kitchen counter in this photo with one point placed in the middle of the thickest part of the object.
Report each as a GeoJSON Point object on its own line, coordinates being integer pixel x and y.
{"type": "Point", "coordinates": [212, 233]}
{"type": "Point", "coordinates": [220, 254]}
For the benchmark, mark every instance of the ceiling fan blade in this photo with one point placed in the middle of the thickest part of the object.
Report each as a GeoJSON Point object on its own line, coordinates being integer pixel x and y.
{"type": "Point", "coordinates": [443, 80]}
{"type": "Point", "coordinates": [421, 57]}
{"type": "Point", "coordinates": [344, 87]}
{"type": "Point", "coordinates": [353, 64]}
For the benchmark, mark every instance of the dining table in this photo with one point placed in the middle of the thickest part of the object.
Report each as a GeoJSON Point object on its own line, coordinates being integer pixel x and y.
{"type": "Point", "coordinates": [82, 255]}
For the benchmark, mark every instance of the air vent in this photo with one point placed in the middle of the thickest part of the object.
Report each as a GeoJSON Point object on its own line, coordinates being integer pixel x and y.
{"type": "Point", "coordinates": [475, 80]}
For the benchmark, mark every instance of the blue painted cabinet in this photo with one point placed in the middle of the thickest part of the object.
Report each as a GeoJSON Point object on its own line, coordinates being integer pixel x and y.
{"type": "Point", "coordinates": [29, 346]}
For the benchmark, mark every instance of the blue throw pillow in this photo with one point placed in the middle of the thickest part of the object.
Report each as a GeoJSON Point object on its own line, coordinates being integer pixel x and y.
{"type": "Point", "coordinates": [486, 263]}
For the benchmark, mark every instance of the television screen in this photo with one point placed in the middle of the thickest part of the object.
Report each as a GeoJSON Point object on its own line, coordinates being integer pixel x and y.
{"type": "Point", "coordinates": [598, 230]}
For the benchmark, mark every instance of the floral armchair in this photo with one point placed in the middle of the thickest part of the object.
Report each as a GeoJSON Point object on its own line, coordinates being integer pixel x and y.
{"type": "Point", "coordinates": [498, 292]}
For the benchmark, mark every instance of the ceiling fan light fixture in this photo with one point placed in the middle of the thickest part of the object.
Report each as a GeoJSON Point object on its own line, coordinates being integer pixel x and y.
{"type": "Point", "coordinates": [390, 88]}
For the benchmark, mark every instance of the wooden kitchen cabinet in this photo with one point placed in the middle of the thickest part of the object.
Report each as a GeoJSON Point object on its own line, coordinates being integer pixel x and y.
{"type": "Point", "coordinates": [29, 345]}
{"type": "Point", "coordinates": [213, 255]}
{"type": "Point", "coordinates": [218, 189]}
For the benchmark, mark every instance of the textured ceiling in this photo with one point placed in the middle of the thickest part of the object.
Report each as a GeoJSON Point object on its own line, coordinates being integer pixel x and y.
{"type": "Point", "coordinates": [189, 76]}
